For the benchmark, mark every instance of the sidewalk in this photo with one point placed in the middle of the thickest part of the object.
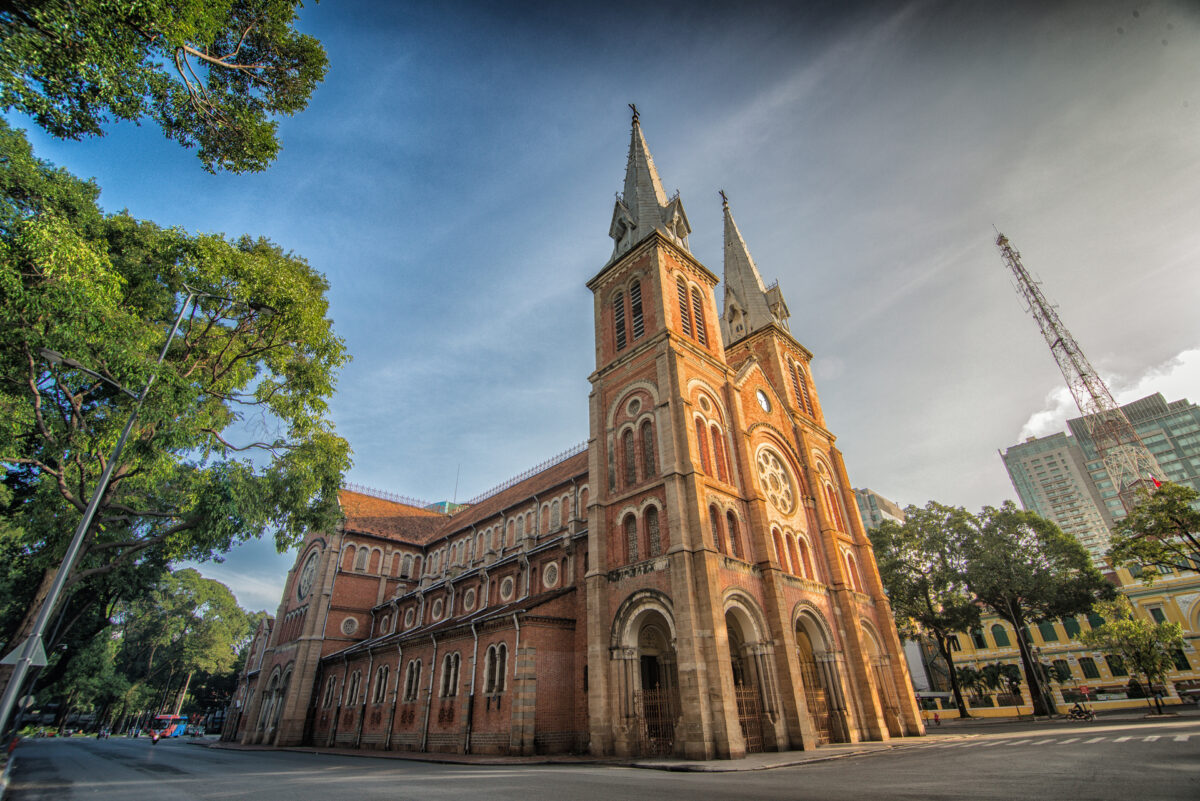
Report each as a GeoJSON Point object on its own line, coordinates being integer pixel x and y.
{"type": "Point", "coordinates": [763, 761]}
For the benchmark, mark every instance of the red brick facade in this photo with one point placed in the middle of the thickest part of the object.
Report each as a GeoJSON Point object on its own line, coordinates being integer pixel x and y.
{"type": "Point", "coordinates": [696, 581]}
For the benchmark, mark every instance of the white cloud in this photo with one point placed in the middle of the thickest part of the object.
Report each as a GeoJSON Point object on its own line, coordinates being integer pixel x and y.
{"type": "Point", "coordinates": [1177, 378]}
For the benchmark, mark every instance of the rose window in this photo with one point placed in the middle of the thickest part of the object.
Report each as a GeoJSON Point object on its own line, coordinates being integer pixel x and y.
{"type": "Point", "coordinates": [776, 482]}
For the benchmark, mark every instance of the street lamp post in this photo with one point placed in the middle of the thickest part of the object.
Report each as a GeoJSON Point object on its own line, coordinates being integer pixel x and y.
{"type": "Point", "coordinates": [33, 646]}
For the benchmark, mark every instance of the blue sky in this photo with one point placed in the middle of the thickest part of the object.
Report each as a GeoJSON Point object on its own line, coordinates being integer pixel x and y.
{"type": "Point", "coordinates": [454, 177]}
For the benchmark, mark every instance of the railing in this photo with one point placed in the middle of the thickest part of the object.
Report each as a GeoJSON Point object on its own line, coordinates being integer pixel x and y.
{"type": "Point", "coordinates": [388, 496]}
{"type": "Point", "coordinates": [517, 479]}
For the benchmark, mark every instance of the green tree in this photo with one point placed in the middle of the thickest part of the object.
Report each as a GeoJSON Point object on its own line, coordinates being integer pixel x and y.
{"type": "Point", "coordinates": [211, 73]}
{"type": "Point", "coordinates": [234, 440]}
{"type": "Point", "coordinates": [1145, 647]}
{"type": "Point", "coordinates": [922, 575]}
{"type": "Point", "coordinates": [1162, 530]}
{"type": "Point", "coordinates": [1026, 570]}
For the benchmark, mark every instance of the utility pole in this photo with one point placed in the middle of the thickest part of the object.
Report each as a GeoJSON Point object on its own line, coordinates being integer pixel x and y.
{"type": "Point", "coordinates": [1130, 465]}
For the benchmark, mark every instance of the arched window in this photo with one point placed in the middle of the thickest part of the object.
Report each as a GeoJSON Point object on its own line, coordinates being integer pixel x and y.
{"type": "Point", "coordinates": [412, 680]}
{"type": "Point", "coordinates": [381, 680]}
{"type": "Point", "coordinates": [714, 519]}
{"type": "Point", "coordinates": [495, 668]}
{"type": "Point", "coordinates": [352, 688]}
{"type": "Point", "coordinates": [376, 559]}
{"type": "Point", "coordinates": [450, 667]}
{"type": "Point", "coordinates": [653, 536]}
{"type": "Point", "coordinates": [797, 562]}
{"type": "Point", "coordinates": [416, 565]}
{"type": "Point", "coordinates": [702, 444]}
{"type": "Point", "coordinates": [638, 325]}
{"type": "Point", "coordinates": [330, 692]}
{"type": "Point", "coordinates": [629, 458]}
{"type": "Point", "coordinates": [619, 318]}
{"type": "Point", "coordinates": [631, 539]}
{"type": "Point", "coordinates": [348, 559]}
{"type": "Point", "coordinates": [545, 519]}
{"type": "Point", "coordinates": [780, 551]}
{"type": "Point", "coordinates": [648, 462]}
{"type": "Point", "coordinates": [511, 538]}
{"type": "Point", "coordinates": [698, 313]}
{"type": "Point", "coordinates": [360, 559]}
{"type": "Point", "coordinates": [1000, 636]}
{"type": "Point", "coordinates": [800, 385]}
{"type": "Point", "coordinates": [555, 515]}
{"type": "Point", "coordinates": [810, 570]}
{"type": "Point", "coordinates": [852, 572]}
{"type": "Point", "coordinates": [718, 450]}
{"type": "Point", "coordinates": [685, 314]}
{"type": "Point", "coordinates": [735, 540]}
{"type": "Point", "coordinates": [835, 508]}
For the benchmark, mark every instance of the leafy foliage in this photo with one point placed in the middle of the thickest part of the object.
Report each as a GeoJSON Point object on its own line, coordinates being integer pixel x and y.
{"type": "Point", "coordinates": [1162, 530]}
{"type": "Point", "coordinates": [233, 442]}
{"type": "Point", "coordinates": [1026, 570]}
{"type": "Point", "coordinates": [211, 73]}
{"type": "Point", "coordinates": [922, 575]}
{"type": "Point", "coordinates": [1143, 646]}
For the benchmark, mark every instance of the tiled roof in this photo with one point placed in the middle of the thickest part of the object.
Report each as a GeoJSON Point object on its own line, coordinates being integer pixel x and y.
{"type": "Point", "coordinates": [391, 519]}
{"type": "Point", "coordinates": [399, 521]}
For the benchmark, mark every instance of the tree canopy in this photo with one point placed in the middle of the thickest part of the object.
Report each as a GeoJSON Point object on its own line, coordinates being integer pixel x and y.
{"type": "Point", "coordinates": [1163, 529]}
{"type": "Point", "coordinates": [1026, 570]}
{"type": "Point", "coordinates": [1146, 647]}
{"type": "Point", "coordinates": [921, 572]}
{"type": "Point", "coordinates": [234, 440]}
{"type": "Point", "coordinates": [211, 73]}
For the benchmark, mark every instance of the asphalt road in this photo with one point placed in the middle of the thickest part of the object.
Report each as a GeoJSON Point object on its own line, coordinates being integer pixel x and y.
{"type": "Point", "coordinates": [1140, 760]}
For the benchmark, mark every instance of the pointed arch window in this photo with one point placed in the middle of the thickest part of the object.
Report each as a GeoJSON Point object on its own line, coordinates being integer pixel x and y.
{"type": "Point", "coordinates": [718, 450]}
{"type": "Point", "coordinates": [735, 541]}
{"type": "Point", "coordinates": [352, 689]}
{"type": "Point", "coordinates": [495, 668]}
{"type": "Point", "coordinates": [412, 680]}
{"type": "Point", "coordinates": [800, 387]}
{"type": "Point", "coordinates": [619, 318]}
{"type": "Point", "coordinates": [648, 462]}
{"type": "Point", "coordinates": [835, 508]}
{"type": "Point", "coordinates": [450, 668]}
{"type": "Point", "coordinates": [714, 519]}
{"type": "Point", "coordinates": [698, 313]}
{"type": "Point", "coordinates": [685, 314]}
{"type": "Point", "coordinates": [810, 570]}
{"type": "Point", "coordinates": [637, 323]}
{"type": "Point", "coordinates": [629, 458]}
{"type": "Point", "coordinates": [381, 681]}
{"type": "Point", "coordinates": [653, 536]}
{"type": "Point", "coordinates": [794, 552]}
{"type": "Point", "coordinates": [780, 551]}
{"type": "Point", "coordinates": [702, 444]}
{"type": "Point", "coordinates": [852, 568]}
{"type": "Point", "coordinates": [631, 539]}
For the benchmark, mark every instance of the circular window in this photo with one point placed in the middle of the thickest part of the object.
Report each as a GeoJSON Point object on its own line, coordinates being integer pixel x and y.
{"type": "Point", "coordinates": [704, 404]}
{"type": "Point", "coordinates": [408, 618]}
{"type": "Point", "coordinates": [550, 575]}
{"type": "Point", "coordinates": [634, 407]}
{"type": "Point", "coordinates": [506, 588]}
{"type": "Point", "coordinates": [763, 400]}
{"type": "Point", "coordinates": [469, 600]}
{"type": "Point", "coordinates": [775, 481]}
{"type": "Point", "coordinates": [349, 626]}
{"type": "Point", "coordinates": [436, 610]}
{"type": "Point", "coordinates": [307, 575]}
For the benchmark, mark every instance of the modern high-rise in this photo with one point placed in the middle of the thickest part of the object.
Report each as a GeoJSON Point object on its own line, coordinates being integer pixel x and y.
{"type": "Point", "coordinates": [1062, 478]}
{"type": "Point", "coordinates": [874, 508]}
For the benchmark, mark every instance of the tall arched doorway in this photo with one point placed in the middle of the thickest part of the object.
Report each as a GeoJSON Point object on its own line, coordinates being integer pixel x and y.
{"type": "Point", "coordinates": [885, 685]}
{"type": "Point", "coordinates": [746, 683]}
{"type": "Point", "coordinates": [822, 685]}
{"type": "Point", "coordinates": [656, 702]}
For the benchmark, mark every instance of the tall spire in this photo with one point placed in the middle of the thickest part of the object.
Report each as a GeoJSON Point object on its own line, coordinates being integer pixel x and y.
{"type": "Point", "coordinates": [749, 304]}
{"type": "Point", "coordinates": [644, 206]}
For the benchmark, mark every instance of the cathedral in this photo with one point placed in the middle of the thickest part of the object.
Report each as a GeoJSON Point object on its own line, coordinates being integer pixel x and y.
{"type": "Point", "coordinates": [694, 581]}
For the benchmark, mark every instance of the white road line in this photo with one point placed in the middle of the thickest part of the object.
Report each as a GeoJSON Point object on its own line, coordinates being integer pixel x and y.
{"type": "Point", "coordinates": [1182, 738]}
{"type": "Point", "coordinates": [994, 743]}
{"type": "Point", "coordinates": [1122, 739]}
{"type": "Point", "coordinates": [1043, 742]}
{"type": "Point", "coordinates": [1019, 742]}
{"type": "Point", "coordinates": [1093, 740]}
{"type": "Point", "coordinates": [1064, 742]}
{"type": "Point", "coordinates": [1150, 738]}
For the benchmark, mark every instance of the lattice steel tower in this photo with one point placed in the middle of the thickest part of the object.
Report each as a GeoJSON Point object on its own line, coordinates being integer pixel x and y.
{"type": "Point", "coordinates": [1129, 463]}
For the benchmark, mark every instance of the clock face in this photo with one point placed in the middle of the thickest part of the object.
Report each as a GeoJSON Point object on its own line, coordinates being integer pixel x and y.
{"type": "Point", "coordinates": [763, 400]}
{"type": "Point", "coordinates": [306, 576]}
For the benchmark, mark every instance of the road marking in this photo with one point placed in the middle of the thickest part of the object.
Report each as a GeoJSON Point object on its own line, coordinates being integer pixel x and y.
{"type": "Point", "coordinates": [1043, 742]}
{"type": "Point", "coordinates": [1122, 739]}
{"type": "Point", "coordinates": [1064, 742]}
{"type": "Point", "coordinates": [994, 742]}
{"type": "Point", "coordinates": [1019, 742]}
{"type": "Point", "coordinates": [1182, 738]}
{"type": "Point", "coordinates": [1150, 738]}
{"type": "Point", "coordinates": [1093, 740]}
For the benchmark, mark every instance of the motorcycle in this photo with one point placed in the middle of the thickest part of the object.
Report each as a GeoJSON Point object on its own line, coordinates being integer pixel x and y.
{"type": "Point", "coordinates": [154, 738]}
{"type": "Point", "coordinates": [1081, 714]}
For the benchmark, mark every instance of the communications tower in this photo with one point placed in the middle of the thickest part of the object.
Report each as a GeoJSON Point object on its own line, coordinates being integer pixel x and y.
{"type": "Point", "coordinates": [1129, 463]}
